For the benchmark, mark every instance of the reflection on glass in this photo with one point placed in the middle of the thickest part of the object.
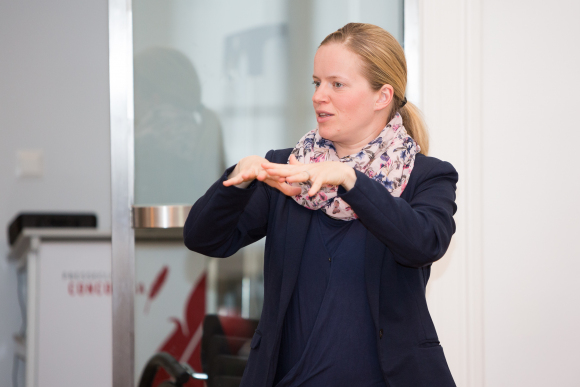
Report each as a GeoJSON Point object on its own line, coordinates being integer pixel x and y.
{"type": "Point", "coordinates": [178, 142]}
{"type": "Point", "coordinates": [216, 81]}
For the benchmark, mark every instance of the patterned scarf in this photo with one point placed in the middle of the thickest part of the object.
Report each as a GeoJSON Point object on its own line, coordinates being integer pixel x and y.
{"type": "Point", "coordinates": [388, 159]}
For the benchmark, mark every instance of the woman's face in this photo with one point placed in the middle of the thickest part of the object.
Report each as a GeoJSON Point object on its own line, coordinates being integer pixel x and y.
{"type": "Point", "coordinates": [344, 102]}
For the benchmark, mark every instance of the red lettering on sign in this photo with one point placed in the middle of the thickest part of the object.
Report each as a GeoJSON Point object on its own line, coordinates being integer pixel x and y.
{"type": "Point", "coordinates": [80, 288]}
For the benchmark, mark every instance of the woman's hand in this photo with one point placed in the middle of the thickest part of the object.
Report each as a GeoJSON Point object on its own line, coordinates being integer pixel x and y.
{"type": "Point", "coordinates": [319, 174]}
{"type": "Point", "coordinates": [250, 168]}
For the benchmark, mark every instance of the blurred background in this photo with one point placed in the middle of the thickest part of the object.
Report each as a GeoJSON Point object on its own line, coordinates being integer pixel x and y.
{"type": "Point", "coordinates": [214, 81]}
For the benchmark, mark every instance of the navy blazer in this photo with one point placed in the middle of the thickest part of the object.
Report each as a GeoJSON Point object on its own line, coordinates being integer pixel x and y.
{"type": "Point", "coordinates": [404, 236]}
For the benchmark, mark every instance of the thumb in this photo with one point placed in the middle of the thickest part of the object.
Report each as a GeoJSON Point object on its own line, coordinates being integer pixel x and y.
{"type": "Point", "coordinates": [293, 161]}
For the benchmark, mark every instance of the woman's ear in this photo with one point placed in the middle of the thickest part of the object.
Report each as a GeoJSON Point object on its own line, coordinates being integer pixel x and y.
{"type": "Point", "coordinates": [384, 97]}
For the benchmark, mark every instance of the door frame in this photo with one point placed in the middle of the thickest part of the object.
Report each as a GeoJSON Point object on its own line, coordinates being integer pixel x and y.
{"type": "Point", "coordinates": [122, 176]}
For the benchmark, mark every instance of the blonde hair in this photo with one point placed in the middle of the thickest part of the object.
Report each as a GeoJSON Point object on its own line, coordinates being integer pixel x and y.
{"type": "Point", "coordinates": [384, 63]}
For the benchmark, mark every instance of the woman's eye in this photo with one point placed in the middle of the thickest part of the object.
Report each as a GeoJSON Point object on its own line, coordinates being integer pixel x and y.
{"type": "Point", "coordinates": [316, 83]}
{"type": "Point", "coordinates": [338, 84]}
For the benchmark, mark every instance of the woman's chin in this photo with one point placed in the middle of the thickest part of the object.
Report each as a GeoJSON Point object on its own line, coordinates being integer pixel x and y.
{"type": "Point", "coordinates": [327, 132]}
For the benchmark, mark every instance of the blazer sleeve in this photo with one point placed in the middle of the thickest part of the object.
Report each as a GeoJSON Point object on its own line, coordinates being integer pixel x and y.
{"type": "Point", "coordinates": [225, 219]}
{"type": "Point", "coordinates": [418, 231]}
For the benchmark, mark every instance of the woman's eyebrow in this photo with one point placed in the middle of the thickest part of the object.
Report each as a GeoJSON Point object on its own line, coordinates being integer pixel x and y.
{"type": "Point", "coordinates": [330, 77]}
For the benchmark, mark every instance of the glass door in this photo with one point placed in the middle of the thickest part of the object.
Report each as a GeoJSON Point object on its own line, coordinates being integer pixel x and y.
{"type": "Point", "coordinates": [212, 82]}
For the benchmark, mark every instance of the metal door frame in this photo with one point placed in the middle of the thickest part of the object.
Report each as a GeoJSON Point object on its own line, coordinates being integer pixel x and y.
{"type": "Point", "coordinates": [122, 176]}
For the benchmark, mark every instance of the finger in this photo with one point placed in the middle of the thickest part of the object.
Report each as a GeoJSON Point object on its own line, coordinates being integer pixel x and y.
{"type": "Point", "coordinates": [274, 180]}
{"type": "Point", "coordinates": [234, 180]}
{"type": "Point", "coordinates": [268, 164]}
{"type": "Point", "coordinates": [284, 188]}
{"type": "Point", "coordinates": [249, 174]}
{"type": "Point", "coordinates": [289, 190]}
{"type": "Point", "coordinates": [294, 161]}
{"type": "Point", "coordinates": [316, 185]}
{"type": "Point", "coordinates": [263, 175]}
{"type": "Point", "coordinates": [299, 177]}
{"type": "Point", "coordinates": [246, 175]}
{"type": "Point", "coordinates": [282, 171]}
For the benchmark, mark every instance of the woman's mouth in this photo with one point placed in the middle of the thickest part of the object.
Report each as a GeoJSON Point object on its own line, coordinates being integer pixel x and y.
{"type": "Point", "coordinates": [323, 116]}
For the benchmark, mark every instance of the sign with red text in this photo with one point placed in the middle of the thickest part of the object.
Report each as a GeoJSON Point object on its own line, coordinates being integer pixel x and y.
{"type": "Point", "coordinates": [169, 303]}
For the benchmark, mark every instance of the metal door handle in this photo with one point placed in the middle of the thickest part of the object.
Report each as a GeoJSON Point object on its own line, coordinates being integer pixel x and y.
{"type": "Point", "coordinates": [171, 216]}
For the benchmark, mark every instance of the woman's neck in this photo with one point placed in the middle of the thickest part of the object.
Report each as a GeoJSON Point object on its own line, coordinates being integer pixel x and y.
{"type": "Point", "coordinates": [351, 148]}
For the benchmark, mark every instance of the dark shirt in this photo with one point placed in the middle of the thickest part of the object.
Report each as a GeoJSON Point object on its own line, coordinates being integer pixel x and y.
{"type": "Point", "coordinates": [328, 334]}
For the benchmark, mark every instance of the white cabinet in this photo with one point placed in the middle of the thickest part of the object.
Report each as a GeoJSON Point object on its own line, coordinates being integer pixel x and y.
{"type": "Point", "coordinates": [68, 338]}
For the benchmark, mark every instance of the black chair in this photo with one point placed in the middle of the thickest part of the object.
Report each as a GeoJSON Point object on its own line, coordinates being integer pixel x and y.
{"type": "Point", "coordinates": [225, 346]}
{"type": "Point", "coordinates": [180, 373]}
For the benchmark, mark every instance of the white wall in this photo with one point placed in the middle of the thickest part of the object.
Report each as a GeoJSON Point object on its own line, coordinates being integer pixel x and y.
{"type": "Point", "coordinates": [446, 97]}
{"type": "Point", "coordinates": [531, 189]}
{"type": "Point", "coordinates": [54, 97]}
{"type": "Point", "coordinates": [499, 89]}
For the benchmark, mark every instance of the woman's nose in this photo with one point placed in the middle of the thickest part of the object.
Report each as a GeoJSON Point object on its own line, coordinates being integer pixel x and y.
{"type": "Point", "coordinates": [319, 95]}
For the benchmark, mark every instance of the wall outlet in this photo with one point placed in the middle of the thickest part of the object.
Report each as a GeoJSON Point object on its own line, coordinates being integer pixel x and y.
{"type": "Point", "coordinates": [29, 163]}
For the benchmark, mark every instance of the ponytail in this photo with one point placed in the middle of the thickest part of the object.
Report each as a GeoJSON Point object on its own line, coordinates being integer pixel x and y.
{"type": "Point", "coordinates": [415, 125]}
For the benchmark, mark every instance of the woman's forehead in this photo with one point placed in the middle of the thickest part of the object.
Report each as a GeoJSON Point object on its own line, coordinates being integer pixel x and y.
{"type": "Point", "coordinates": [336, 61]}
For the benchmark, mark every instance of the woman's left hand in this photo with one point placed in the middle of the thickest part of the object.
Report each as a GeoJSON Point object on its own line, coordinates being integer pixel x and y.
{"type": "Point", "coordinates": [319, 174]}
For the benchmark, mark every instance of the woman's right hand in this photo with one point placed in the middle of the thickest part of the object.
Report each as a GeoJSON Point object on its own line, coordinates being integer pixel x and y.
{"type": "Point", "coordinates": [250, 168]}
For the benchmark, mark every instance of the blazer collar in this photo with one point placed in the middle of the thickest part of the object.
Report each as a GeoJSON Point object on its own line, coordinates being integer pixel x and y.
{"type": "Point", "coordinates": [297, 229]}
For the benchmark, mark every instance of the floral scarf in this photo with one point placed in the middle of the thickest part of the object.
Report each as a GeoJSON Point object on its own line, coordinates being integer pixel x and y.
{"type": "Point", "coordinates": [388, 159]}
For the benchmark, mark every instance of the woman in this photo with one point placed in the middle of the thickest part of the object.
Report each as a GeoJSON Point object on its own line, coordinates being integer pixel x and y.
{"type": "Point", "coordinates": [353, 216]}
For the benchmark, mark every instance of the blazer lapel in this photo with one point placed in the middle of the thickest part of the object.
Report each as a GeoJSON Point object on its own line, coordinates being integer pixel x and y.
{"type": "Point", "coordinates": [297, 229]}
{"type": "Point", "coordinates": [374, 253]}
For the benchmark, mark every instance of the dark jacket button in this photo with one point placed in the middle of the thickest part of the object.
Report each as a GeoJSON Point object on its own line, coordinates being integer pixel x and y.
{"type": "Point", "coordinates": [380, 333]}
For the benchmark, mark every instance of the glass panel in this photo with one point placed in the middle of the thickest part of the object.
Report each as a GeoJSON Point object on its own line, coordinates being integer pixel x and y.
{"type": "Point", "coordinates": [215, 81]}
